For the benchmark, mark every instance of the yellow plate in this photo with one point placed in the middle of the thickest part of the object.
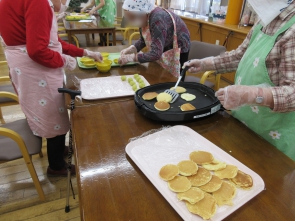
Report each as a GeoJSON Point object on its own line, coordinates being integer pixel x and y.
{"type": "Point", "coordinates": [116, 61]}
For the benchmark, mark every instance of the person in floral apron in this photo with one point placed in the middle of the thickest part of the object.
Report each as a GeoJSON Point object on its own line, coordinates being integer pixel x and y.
{"type": "Point", "coordinates": [163, 33]}
{"type": "Point", "coordinates": [263, 97]}
{"type": "Point", "coordinates": [36, 58]}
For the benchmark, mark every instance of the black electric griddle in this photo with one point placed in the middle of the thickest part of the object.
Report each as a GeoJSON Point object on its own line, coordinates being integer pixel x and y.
{"type": "Point", "coordinates": [206, 103]}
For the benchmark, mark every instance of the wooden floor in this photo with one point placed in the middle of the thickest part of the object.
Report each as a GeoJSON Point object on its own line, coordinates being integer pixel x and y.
{"type": "Point", "coordinates": [18, 196]}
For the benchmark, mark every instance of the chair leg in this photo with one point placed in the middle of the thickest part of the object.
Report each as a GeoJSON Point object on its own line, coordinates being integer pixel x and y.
{"type": "Point", "coordinates": [1, 117]}
{"type": "Point", "coordinates": [34, 176]}
{"type": "Point", "coordinates": [41, 154]}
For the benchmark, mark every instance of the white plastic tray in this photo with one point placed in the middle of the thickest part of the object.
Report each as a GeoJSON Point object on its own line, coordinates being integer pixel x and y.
{"type": "Point", "coordinates": [174, 144]}
{"type": "Point", "coordinates": [107, 87]}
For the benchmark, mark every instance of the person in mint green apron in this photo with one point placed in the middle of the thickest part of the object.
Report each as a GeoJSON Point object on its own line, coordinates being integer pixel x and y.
{"type": "Point", "coordinates": [251, 99]}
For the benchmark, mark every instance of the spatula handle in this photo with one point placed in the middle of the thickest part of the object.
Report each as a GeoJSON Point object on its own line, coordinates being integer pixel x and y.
{"type": "Point", "coordinates": [181, 75]}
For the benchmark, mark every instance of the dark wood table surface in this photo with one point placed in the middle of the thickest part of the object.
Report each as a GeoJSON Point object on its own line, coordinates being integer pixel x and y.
{"type": "Point", "coordinates": [95, 26]}
{"type": "Point", "coordinates": [151, 71]}
{"type": "Point", "coordinates": [111, 187]}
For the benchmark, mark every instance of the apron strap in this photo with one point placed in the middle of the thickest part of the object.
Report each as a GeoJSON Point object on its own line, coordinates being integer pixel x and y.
{"type": "Point", "coordinates": [175, 43]}
{"type": "Point", "coordinates": [285, 27]}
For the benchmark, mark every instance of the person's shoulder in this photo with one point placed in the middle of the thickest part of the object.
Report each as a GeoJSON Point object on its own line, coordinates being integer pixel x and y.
{"type": "Point", "coordinates": [158, 14]}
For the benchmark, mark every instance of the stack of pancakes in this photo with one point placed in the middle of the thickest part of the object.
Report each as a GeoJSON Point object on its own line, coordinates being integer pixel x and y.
{"type": "Point", "coordinates": [204, 183]}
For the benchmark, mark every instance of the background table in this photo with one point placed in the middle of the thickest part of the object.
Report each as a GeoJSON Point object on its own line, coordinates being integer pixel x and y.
{"type": "Point", "coordinates": [111, 187]}
{"type": "Point", "coordinates": [95, 26]}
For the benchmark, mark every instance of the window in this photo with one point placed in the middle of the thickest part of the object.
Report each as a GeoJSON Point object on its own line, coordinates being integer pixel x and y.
{"type": "Point", "coordinates": [201, 7]}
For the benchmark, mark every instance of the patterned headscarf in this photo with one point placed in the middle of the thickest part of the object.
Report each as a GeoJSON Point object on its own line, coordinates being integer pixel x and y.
{"type": "Point", "coordinates": [144, 6]}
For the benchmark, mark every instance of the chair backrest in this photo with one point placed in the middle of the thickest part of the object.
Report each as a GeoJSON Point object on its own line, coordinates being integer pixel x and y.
{"type": "Point", "coordinates": [201, 50]}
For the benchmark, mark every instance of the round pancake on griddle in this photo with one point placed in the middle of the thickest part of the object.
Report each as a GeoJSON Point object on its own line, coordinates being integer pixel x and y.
{"type": "Point", "coordinates": [213, 185]}
{"type": "Point", "coordinates": [202, 177]}
{"type": "Point", "coordinates": [149, 96]}
{"type": "Point", "coordinates": [243, 180]}
{"type": "Point", "coordinates": [229, 172]}
{"type": "Point", "coordinates": [205, 208]}
{"type": "Point", "coordinates": [201, 157]}
{"type": "Point", "coordinates": [187, 107]}
{"type": "Point", "coordinates": [193, 195]}
{"type": "Point", "coordinates": [188, 97]}
{"type": "Point", "coordinates": [225, 194]}
{"type": "Point", "coordinates": [187, 167]}
{"type": "Point", "coordinates": [162, 106]}
{"type": "Point", "coordinates": [179, 89]}
{"type": "Point", "coordinates": [179, 184]}
{"type": "Point", "coordinates": [215, 165]}
{"type": "Point", "coordinates": [168, 172]}
{"type": "Point", "coordinates": [164, 97]}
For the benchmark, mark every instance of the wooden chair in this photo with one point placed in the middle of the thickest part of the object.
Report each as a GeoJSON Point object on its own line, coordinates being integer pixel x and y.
{"type": "Point", "coordinates": [17, 141]}
{"type": "Point", "coordinates": [63, 34]}
{"type": "Point", "coordinates": [201, 50]}
{"type": "Point", "coordinates": [7, 93]}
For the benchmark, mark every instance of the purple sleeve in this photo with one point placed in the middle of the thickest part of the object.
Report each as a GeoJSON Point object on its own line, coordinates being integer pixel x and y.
{"type": "Point", "coordinates": [158, 35]}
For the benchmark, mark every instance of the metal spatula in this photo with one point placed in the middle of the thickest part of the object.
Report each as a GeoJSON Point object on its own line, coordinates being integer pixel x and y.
{"type": "Point", "coordinates": [172, 92]}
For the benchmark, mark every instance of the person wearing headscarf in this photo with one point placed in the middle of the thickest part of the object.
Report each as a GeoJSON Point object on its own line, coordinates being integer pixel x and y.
{"type": "Point", "coordinates": [36, 58]}
{"type": "Point", "coordinates": [162, 32]}
{"type": "Point", "coordinates": [263, 97]}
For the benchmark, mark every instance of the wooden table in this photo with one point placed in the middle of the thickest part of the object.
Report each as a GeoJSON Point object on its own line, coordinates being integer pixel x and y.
{"type": "Point", "coordinates": [95, 26]}
{"type": "Point", "coordinates": [111, 187]}
{"type": "Point", "coordinates": [152, 72]}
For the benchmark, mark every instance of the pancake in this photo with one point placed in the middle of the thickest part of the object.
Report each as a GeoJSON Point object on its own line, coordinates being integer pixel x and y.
{"type": "Point", "coordinates": [149, 96]}
{"type": "Point", "coordinates": [164, 97]}
{"type": "Point", "coordinates": [188, 97]}
{"type": "Point", "coordinates": [169, 172]}
{"type": "Point", "coordinates": [229, 172]}
{"type": "Point", "coordinates": [162, 106]}
{"type": "Point", "coordinates": [193, 195]}
{"type": "Point", "coordinates": [243, 180]}
{"type": "Point", "coordinates": [202, 177]}
{"type": "Point", "coordinates": [179, 89]}
{"type": "Point", "coordinates": [187, 167]}
{"type": "Point", "coordinates": [213, 185]}
{"type": "Point", "coordinates": [201, 157]}
{"type": "Point", "coordinates": [179, 184]}
{"type": "Point", "coordinates": [215, 165]}
{"type": "Point", "coordinates": [187, 107]}
{"type": "Point", "coordinates": [225, 194]}
{"type": "Point", "coordinates": [205, 208]}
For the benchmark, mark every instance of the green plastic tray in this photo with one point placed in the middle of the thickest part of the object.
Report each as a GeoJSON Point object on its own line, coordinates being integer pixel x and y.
{"type": "Point", "coordinates": [112, 56]}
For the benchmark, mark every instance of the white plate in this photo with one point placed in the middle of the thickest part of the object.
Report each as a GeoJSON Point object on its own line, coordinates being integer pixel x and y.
{"type": "Point", "coordinates": [107, 87]}
{"type": "Point", "coordinates": [174, 144]}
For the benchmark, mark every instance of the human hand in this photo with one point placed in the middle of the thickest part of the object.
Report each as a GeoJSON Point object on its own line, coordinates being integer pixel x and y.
{"type": "Point", "coordinates": [124, 59]}
{"type": "Point", "coordinates": [200, 65]}
{"type": "Point", "coordinates": [95, 55]}
{"type": "Point", "coordinates": [92, 11]}
{"type": "Point", "coordinates": [130, 50]}
{"type": "Point", "coordinates": [70, 63]}
{"type": "Point", "coordinates": [60, 16]}
{"type": "Point", "coordinates": [235, 96]}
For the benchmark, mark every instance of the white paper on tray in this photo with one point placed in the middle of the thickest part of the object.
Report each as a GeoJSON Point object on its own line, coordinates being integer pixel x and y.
{"type": "Point", "coordinates": [173, 145]}
{"type": "Point", "coordinates": [107, 87]}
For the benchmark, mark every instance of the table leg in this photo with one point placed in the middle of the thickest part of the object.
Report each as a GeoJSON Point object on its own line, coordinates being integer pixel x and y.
{"type": "Point", "coordinates": [108, 39]}
{"type": "Point", "coordinates": [87, 39]}
{"type": "Point", "coordinates": [114, 38]}
{"type": "Point", "coordinates": [70, 37]}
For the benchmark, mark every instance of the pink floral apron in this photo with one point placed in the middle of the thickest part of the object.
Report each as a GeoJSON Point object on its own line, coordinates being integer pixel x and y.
{"type": "Point", "coordinates": [170, 59]}
{"type": "Point", "coordinates": [36, 87]}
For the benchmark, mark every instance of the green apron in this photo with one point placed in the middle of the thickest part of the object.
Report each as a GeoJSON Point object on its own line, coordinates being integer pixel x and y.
{"type": "Point", "coordinates": [277, 128]}
{"type": "Point", "coordinates": [108, 11]}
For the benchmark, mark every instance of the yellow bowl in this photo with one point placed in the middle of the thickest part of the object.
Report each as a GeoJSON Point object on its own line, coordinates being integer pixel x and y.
{"type": "Point", "coordinates": [105, 54]}
{"type": "Point", "coordinates": [104, 66]}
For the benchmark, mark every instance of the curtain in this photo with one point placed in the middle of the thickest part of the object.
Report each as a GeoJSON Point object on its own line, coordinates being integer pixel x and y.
{"type": "Point", "coordinates": [177, 4]}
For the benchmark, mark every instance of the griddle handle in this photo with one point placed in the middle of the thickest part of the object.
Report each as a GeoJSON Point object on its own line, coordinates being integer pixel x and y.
{"type": "Point", "coordinates": [72, 93]}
